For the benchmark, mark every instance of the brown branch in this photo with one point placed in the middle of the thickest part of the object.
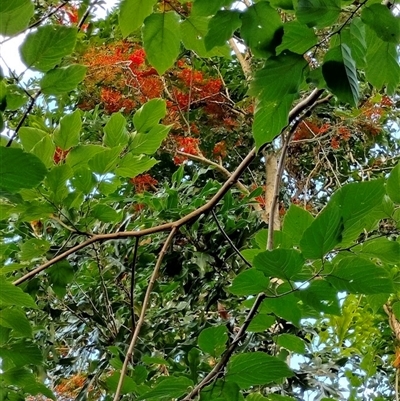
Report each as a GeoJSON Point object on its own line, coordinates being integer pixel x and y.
{"type": "Point", "coordinates": [24, 117]}
{"type": "Point", "coordinates": [242, 60]}
{"type": "Point", "coordinates": [308, 101]}
{"type": "Point", "coordinates": [281, 164]}
{"type": "Point", "coordinates": [146, 300]}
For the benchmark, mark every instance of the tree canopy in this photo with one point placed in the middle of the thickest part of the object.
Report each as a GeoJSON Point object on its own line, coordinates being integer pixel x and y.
{"type": "Point", "coordinates": [200, 200]}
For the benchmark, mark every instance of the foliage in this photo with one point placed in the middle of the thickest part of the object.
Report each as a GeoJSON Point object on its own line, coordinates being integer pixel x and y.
{"type": "Point", "coordinates": [150, 251]}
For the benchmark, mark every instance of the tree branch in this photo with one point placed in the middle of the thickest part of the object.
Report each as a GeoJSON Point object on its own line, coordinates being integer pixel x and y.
{"type": "Point", "coordinates": [308, 101]}
{"type": "Point", "coordinates": [140, 322]}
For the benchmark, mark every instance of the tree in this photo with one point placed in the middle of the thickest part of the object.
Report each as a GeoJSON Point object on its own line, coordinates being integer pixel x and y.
{"type": "Point", "coordinates": [201, 201]}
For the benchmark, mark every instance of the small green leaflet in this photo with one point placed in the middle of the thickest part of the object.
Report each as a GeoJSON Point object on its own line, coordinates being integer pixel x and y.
{"type": "Point", "coordinates": [221, 28]}
{"type": "Point", "coordinates": [249, 282]}
{"type": "Point", "coordinates": [296, 221]}
{"type": "Point", "coordinates": [150, 142]}
{"type": "Point", "coordinates": [291, 343]}
{"type": "Point", "coordinates": [281, 263]}
{"type": "Point", "coordinates": [64, 79]}
{"type": "Point", "coordinates": [15, 16]}
{"type": "Point", "coordinates": [318, 13]}
{"type": "Point", "coordinates": [161, 40]}
{"type": "Point", "coordinates": [67, 134]}
{"type": "Point", "coordinates": [19, 170]}
{"type": "Point", "coordinates": [381, 20]}
{"type": "Point", "coordinates": [340, 74]}
{"type": "Point", "coordinates": [170, 387]}
{"type": "Point", "coordinates": [262, 29]}
{"type": "Point", "coordinates": [149, 115]}
{"type": "Point", "coordinates": [360, 276]}
{"type": "Point", "coordinates": [297, 38]}
{"type": "Point", "coordinates": [131, 165]}
{"type": "Point", "coordinates": [44, 48]}
{"type": "Point", "coordinates": [256, 368]}
{"type": "Point", "coordinates": [323, 234]}
{"type": "Point", "coordinates": [213, 340]}
{"type": "Point", "coordinates": [209, 7]}
{"type": "Point", "coordinates": [15, 319]}
{"type": "Point", "coordinates": [10, 295]}
{"type": "Point", "coordinates": [132, 13]}
{"type": "Point", "coordinates": [115, 131]}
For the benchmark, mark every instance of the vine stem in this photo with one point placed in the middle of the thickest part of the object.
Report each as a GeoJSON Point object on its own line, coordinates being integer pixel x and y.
{"type": "Point", "coordinates": [142, 316]}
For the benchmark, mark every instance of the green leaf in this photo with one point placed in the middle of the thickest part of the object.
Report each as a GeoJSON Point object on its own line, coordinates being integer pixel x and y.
{"type": "Point", "coordinates": [170, 387]}
{"type": "Point", "coordinates": [360, 276]}
{"type": "Point", "coordinates": [297, 38]}
{"type": "Point", "coordinates": [149, 115]}
{"type": "Point", "coordinates": [106, 213]}
{"type": "Point", "coordinates": [209, 7]}
{"type": "Point", "coordinates": [161, 40]}
{"type": "Point", "coordinates": [260, 323]}
{"type": "Point", "coordinates": [393, 184]}
{"type": "Point", "coordinates": [292, 343]}
{"type": "Point", "coordinates": [106, 161]}
{"type": "Point", "coordinates": [129, 386]}
{"type": "Point", "coordinates": [14, 172]}
{"type": "Point", "coordinates": [22, 354]}
{"type": "Point", "coordinates": [39, 143]}
{"type": "Point", "coordinates": [16, 97]}
{"type": "Point", "coordinates": [57, 182]}
{"type": "Point", "coordinates": [340, 74]}
{"type": "Point", "coordinates": [132, 13]}
{"type": "Point", "coordinates": [382, 248]}
{"type": "Point", "coordinates": [16, 320]}
{"type": "Point", "coordinates": [213, 340]}
{"type": "Point", "coordinates": [382, 66]}
{"type": "Point", "coordinates": [285, 307]}
{"type": "Point", "coordinates": [61, 80]}
{"type": "Point", "coordinates": [256, 368]}
{"type": "Point", "coordinates": [115, 131]}
{"type": "Point", "coordinates": [221, 390]}
{"type": "Point", "coordinates": [193, 32]}
{"type": "Point", "coordinates": [60, 275]}
{"type": "Point", "coordinates": [249, 282]}
{"type": "Point", "coordinates": [10, 295]}
{"type": "Point", "coordinates": [150, 142]}
{"type": "Point", "coordinates": [83, 180]}
{"type": "Point", "coordinates": [381, 20]}
{"type": "Point", "coordinates": [81, 154]}
{"type": "Point", "coordinates": [34, 248]}
{"type": "Point", "coordinates": [321, 296]}
{"type": "Point", "coordinates": [262, 29]}
{"type": "Point", "coordinates": [221, 28]}
{"type": "Point", "coordinates": [69, 131]}
{"type": "Point", "coordinates": [296, 221]}
{"type": "Point", "coordinates": [131, 165]}
{"type": "Point", "coordinates": [396, 309]}
{"type": "Point", "coordinates": [354, 38]}
{"type": "Point", "coordinates": [324, 233]}
{"type": "Point", "coordinates": [281, 263]}
{"type": "Point", "coordinates": [356, 202]}
{"type": "Point", "coordinates": [45, 48]}
{"type": "Point", "coordinates": [15, 16]}
{"type": "Point", "coordinates": [318, 13]}
{"type": "Point", "coordinates": [270, 118]}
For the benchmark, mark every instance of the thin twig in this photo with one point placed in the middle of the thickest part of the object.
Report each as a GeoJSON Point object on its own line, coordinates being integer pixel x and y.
{"type": "Point", "coordinates": [134, 258]}
{"type": "Point", "coordinates": [146, 300]}
{"type": "Point", "coordinates": [24, 117]}
{"type": "Point", "coordinates": [228, 239]}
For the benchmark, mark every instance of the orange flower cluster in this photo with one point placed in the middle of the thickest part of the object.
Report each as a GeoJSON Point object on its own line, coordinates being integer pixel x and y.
{"type": "Point", "coordinates": [60, 155]}
{"type": "Point", "coordinates": [187, 145]}
{"type": "Point", "coordinates": [219, 150]}
{"type": "Point", "coordinates": [70, 16]}
{"type": "Point", "coordinates": [114, 101]}
{"type": "Point", "coordinates": [70, 387]}
{"type": "Point", "coordinates": [143, 182]}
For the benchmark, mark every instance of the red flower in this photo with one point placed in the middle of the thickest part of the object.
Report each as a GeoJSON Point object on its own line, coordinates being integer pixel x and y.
{"type": "Point", "coordinates": [187, 145]}
{"type": "Point", "coordinates": [60, 155]}
{"type": "Point", "coordinates": [138, 57]}
{"type": "Point", "coordinates": [143, 182]}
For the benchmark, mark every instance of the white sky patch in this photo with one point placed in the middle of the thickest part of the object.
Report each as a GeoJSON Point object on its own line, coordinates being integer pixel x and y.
{"type": "Point", "coordinates": [9, 50]}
